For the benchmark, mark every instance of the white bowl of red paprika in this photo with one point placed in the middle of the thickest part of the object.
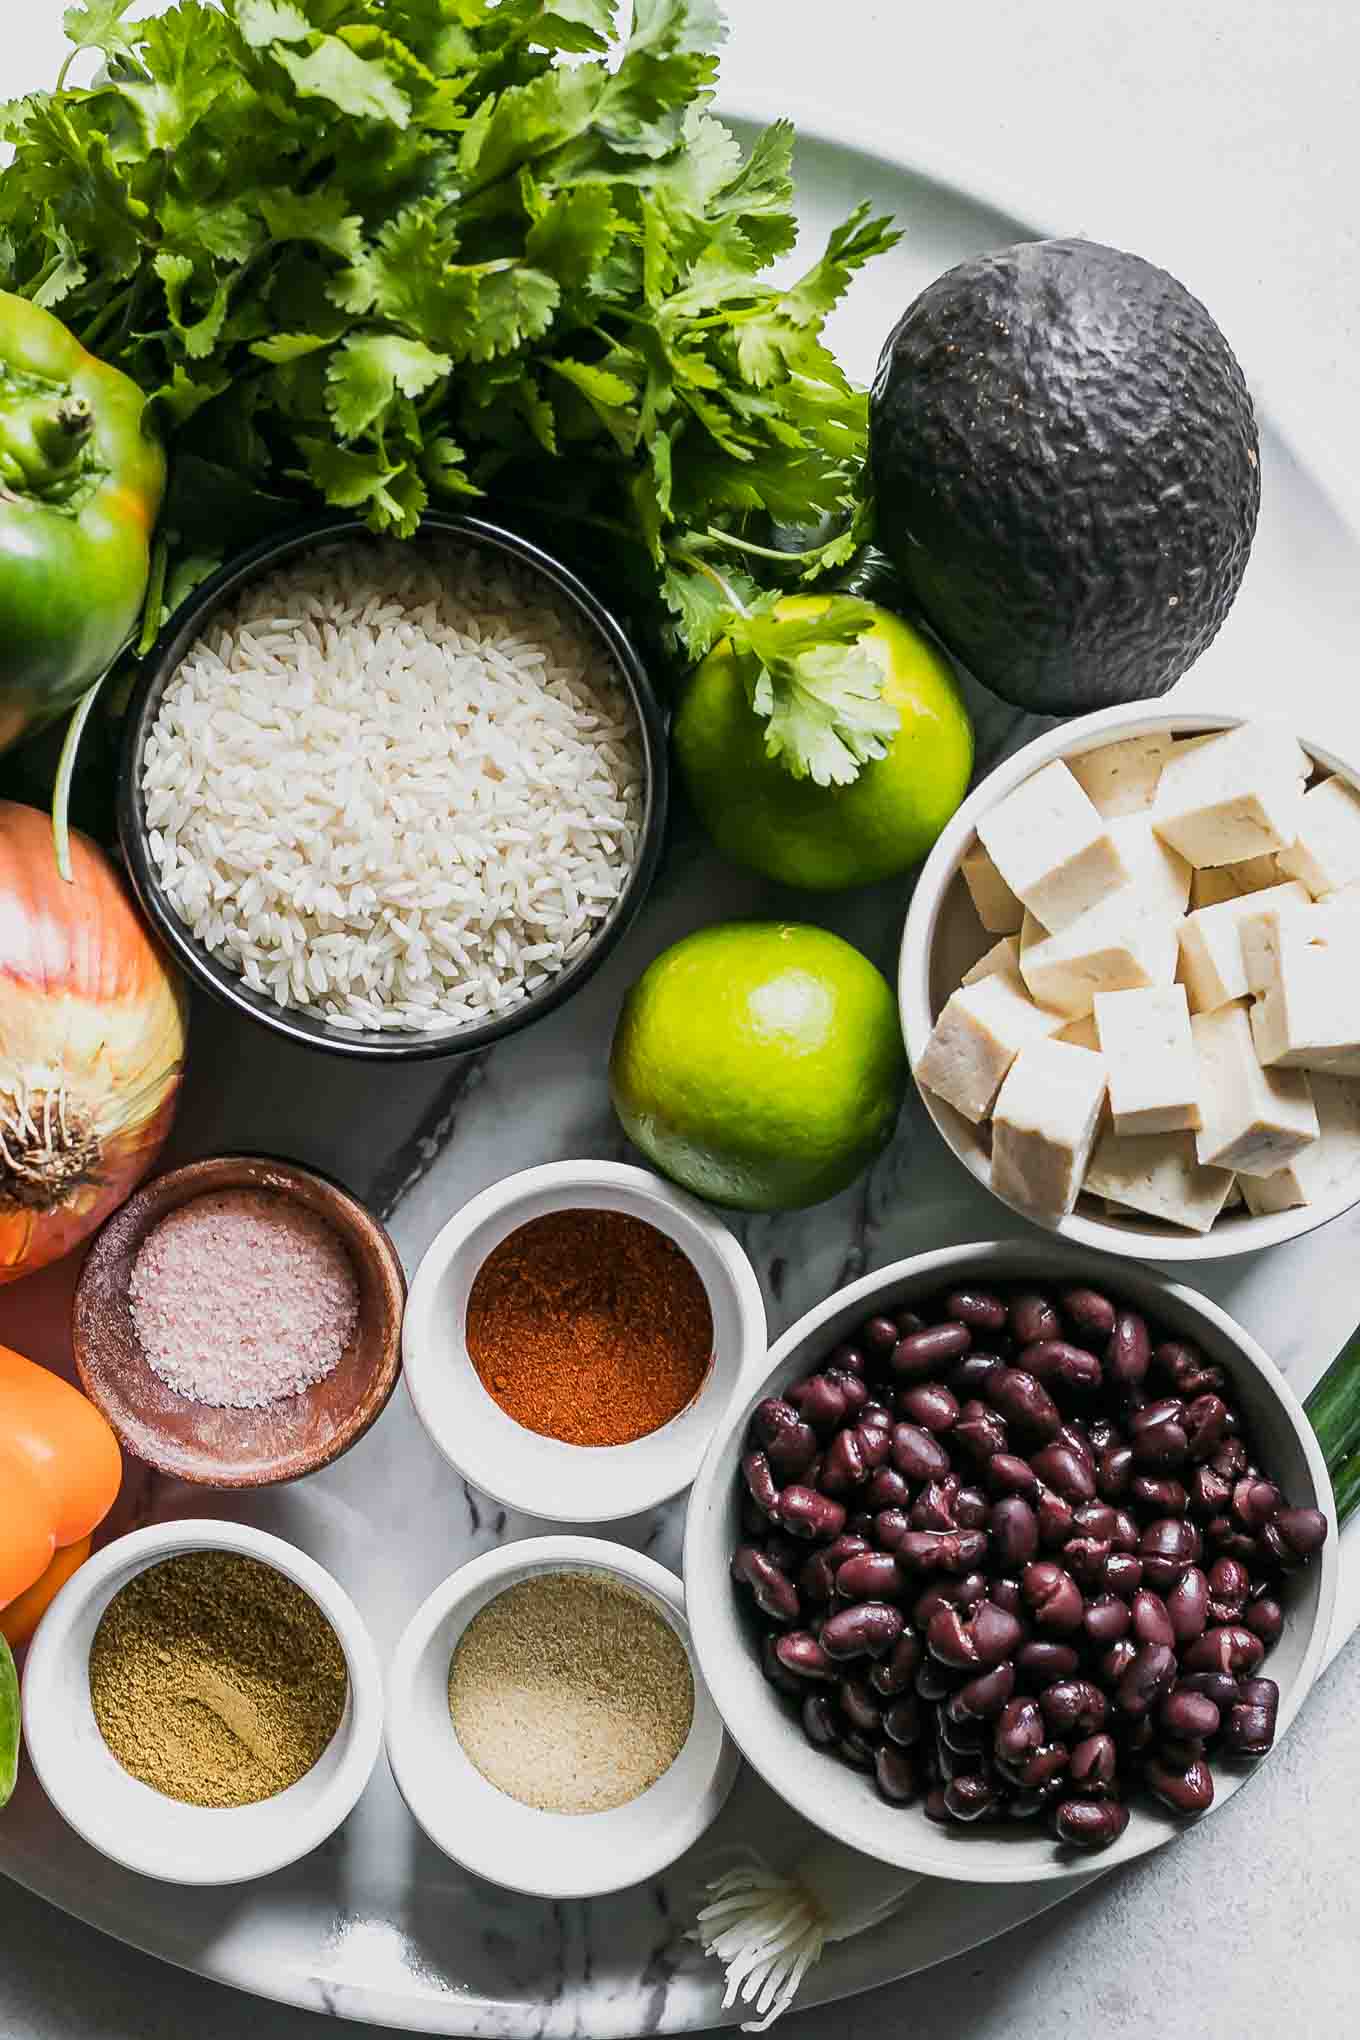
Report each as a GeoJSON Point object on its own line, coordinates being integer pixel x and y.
{"type": "Point", "coordinates": [574, 1335]}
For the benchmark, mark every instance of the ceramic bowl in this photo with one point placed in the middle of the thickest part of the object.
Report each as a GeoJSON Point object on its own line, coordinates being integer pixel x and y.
{"type": "Point", "coordinates": [518, 1467]}
{"type": "Point", "coordinates": [231, 1448]}
{"type": "Point", "coordinates": [845, 1803]}
{"type": "Point", "coordinates": [943, 938]}
{"type": "Point", "coordinates": [131, 1822]}
{"type": "Point", "coordinates": [550, 1855]}
{"type": "Point", "coordinates": [195, 615]}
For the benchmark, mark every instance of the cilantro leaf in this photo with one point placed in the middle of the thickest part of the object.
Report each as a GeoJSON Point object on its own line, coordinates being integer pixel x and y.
{"type": "Point", "coordinates": [365, 374]}
{"type": "Point", "coordinates": [819, 691]}
{"type": "Point", "coordinates": [262, 22]}
{"type": "Point", "coordinates": [318, 216]}
{"type": "Point", "coordinates": [98, 25]}
{"type": "Point", "coordinates": [359, 86]}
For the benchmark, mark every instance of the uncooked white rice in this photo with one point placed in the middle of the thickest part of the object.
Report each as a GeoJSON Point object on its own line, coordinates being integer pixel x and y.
{"type": "Point", "coordinates": [397, 787]}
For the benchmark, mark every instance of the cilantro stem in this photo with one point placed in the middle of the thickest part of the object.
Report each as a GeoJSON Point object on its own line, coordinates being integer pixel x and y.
{"type": "Point", "coordinates": [720, 581]}
{"type": "Point", "coordinates": [747, 545]}
{"type": "Point", "coordinates": [103, 319]}
{"type": "Point", "coordinates": [66, 765]}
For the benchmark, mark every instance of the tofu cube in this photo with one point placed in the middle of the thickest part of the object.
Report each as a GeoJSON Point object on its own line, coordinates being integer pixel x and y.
{"type": "Point", "coordinates": [1253, 1120]}
{"type": "Point", "coordinates": [999, 911]}
{"type": "Point", "coordinates": [1309, 1018]}
{"type": "Point", "coordinates": [1258, 874]}
{"type": "Point", "coordinates": [1237, 797]}
{"type": "Point", "coordinates": [1150, 1058]}
{"type": "Point", "coordinates": [1331, 921]}
{"type": "Point", "coordinates": [1044, 1126]}
{"type": "Point", "coordinates": [1318, 1172]}
{"type": "Point", "coordinates": [1052, 848]}
{"type": "Point", "coordinates": [1158, 1174]}
{"type": "Point", "coordinates": [1002, 959]}
{"type": "Point", "coordinates": [1212, 968]}
{"type": "Point", "coordinates": [976, 1039]}
{"type": "Point", "coordinates": [1118, 946]}
{"type": "Point", "coordinates": [1081, 1033]}
{"type": "Point", "coordinates": [1119, 779]}
{"type": "Point", "coordinates": [1327, 854]}
{"type": "Point", "coordinates": [1211, 888]}
{"type": "Point", "coordinates": [1160, 873]}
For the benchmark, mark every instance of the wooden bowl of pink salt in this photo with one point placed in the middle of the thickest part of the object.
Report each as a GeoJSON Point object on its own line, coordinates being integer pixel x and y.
{"type": "Point", "coordinates": [238, 1321]}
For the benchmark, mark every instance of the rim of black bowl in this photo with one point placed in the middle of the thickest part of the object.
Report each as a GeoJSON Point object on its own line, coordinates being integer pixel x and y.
{"type": "Point", "coordinates": [309, 1030]}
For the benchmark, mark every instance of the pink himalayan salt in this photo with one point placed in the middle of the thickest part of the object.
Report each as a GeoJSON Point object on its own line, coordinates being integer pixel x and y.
{"type": "Point", "coordinates": [240, 1298]}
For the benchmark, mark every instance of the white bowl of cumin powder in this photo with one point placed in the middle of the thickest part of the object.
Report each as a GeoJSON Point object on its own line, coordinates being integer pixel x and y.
{"type": "Point", "coordinates": [547, 1725]}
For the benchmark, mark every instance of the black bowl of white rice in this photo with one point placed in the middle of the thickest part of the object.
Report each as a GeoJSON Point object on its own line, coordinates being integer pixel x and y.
{"type": "Point", "coordinates": [393, 798]}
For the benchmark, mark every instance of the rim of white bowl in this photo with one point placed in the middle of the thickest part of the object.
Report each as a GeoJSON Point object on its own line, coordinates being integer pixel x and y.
{"type": "Point", "coordinates": [520, 1468]}
{"type": "Point", "coordinates": [735, 1680]}
{"type": "Point", "coordinates": [546, 1855]}
{"type": "Point", "coordinates": [233, 1843]}
{"type": "Point", "coordinates": [1236, 1232]}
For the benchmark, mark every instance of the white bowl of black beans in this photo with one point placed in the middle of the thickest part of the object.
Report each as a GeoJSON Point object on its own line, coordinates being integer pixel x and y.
{"type": "Point", "coordinates": [1016, 1554]}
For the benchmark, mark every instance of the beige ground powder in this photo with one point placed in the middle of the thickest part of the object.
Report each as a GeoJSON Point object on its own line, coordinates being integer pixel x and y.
{"type": "Point", "coordinates": [570, 1693]}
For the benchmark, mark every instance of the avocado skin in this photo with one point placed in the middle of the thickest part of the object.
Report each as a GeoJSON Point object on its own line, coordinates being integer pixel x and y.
{"type": "Point", "coordinates": [1066, 468]}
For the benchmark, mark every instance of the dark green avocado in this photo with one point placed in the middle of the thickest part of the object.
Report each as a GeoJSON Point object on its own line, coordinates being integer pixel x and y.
{"type": "Point", "coordinates": [1066, 469]}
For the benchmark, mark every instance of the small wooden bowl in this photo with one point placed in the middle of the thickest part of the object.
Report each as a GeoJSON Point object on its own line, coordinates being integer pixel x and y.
{"type": "Point", "coordinates": [231, 1448]}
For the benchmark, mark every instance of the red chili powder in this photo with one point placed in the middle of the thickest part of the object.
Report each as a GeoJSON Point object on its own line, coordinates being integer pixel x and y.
{"type": "Point", "coordinates": [590, 1326]}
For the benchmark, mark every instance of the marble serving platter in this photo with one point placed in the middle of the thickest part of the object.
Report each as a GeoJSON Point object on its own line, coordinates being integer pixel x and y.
{"type": "Point", "coordinates": [377, 1925]}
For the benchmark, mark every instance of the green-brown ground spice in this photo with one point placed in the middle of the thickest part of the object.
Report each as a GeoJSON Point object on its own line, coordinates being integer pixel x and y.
{"type": "Point", "coordinates": [571, 1693]}
{"type": "Point", "coordinates": [216, 1680]}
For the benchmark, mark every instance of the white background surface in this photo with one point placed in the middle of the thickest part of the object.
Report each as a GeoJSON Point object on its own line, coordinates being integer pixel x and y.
{"type": "Point", "coordinates": [1222, 140]}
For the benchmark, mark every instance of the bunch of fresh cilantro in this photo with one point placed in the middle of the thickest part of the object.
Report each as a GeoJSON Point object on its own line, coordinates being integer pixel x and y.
{"type": "Point", "coordinates": [391, 253]}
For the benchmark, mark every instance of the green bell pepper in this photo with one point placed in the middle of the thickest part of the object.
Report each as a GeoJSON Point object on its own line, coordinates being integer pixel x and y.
{"type": "Point", "coordinates": [81, 482]}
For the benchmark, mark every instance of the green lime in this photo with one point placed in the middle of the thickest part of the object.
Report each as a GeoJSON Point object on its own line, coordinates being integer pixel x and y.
{"type": "Point", "coordinates": [759, 1063]}
{"type": "Point", "coordinates": [825, 838]}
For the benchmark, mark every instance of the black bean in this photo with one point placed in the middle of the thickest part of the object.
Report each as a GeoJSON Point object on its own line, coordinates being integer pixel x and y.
{"type": "Point", "coordinates": [929, 1352]}
{"type": "Point", "coordinates": [1091, 1315]}
{"type": "Point", "coordinates": [1225, 1534]}
{"type": "Point", "coordinates": [1066, 1472]}
{"type": "Point", "coordinates": [847, 1359]}
{"type": "Point", "coordinates": [788, 1443]}
{"type": "Point", "coordinates": [844, 1466]}
{"type": "Point", "coordinates": [778, 1674]}
{"type": "Point", "coordinates": [1229, 1585]}
{"type": "Point", "coordinates": [1187, 1605]}
{"type": "Point", "coordinates": [874, 1432]}
{"type": "Point", "coordinates": [754, 1521]}
{"type": "Point", "coordinates": [1205, 1425]}
{"type": "Point", "coordinates": [951, 1551]}
{"type": "Point", "coordinates": [962, 1592]}
{"type": "Point", "coordinates": [1019, 1731]}
{"type": "Point", "coordinates": [860, 1705]}
{"type": "Point", "coordinates": [1033, 1318]}
{"type": "Point", "coordinates": [933, 1508]}
{"type": "Point", "coordinates": [773, 1591]}
{"type": "Point", "coordinates": [1024, 1402]}
{"type": "Point", "coordinates": [1117, 1660]}
{"type": "Point", "coordinates": [1059, 1364]}
{"type": "Point", "coordinates": [934, 1681]}
{"type": "Point", "coordinates": [890, 1527]}
{"type": "Point", "coordinates": [968, 1378]}
{"type": "Point", "coordinates": [870, 1629]}
{"type": "Point", "coordinates": [1254, 1502]}
{"type": "Point", "coordinates": [1075, 1436]}
{"type": "Point", "coordinates": [1264, 1617]}
{"type": "Point", "coordinates": [822, 1400]}
{"type": "Point", "coordinates": [929, 1404]}
{"type": "Point", "coordinates": [1160, 1493]}
{"type": "Point", "coordinates": [1191, 1716]}
{"type": "Point", "coordinates": [760, 1482]}
{"type": "Point", "coordinates": [970, 1798]}
{"type": "Point", "coordinates": [1041, 1662]}
{"type": "Point", "coordinates": [1106, 1619]}
{"type": "Point", "coordinates": [1006, 1593]}
{"type": "Point", "coordinates": [804, 1512]}
{"type": "Point", "coordinates": [1151, 1623]}
{"type": "Point", "coordinates": [821, 1721]}
{"type": "Point", "coordinates": [856, 1750]}
{"type": "Point", "coordinates": [1054, 1596]}
{"type": "Point", "coordinates": [1150, 1675]}
{"type": "Point", "coordinates": [1167, 1547]}
{"type": "Point", "coordinates": [917, 1454]}
{"type": "Point", "coordinates": [1123, 1574]}
{"type": "Point", "coordinates": [979, 1431]}
{"type": "Point", "coordinates": [1086, 1558]}
{"type": "Point", "coordinates": [872, 1576]}
{"type": "Point", "coordinates": [907, 1322]}
{"type": "Point", "coordinates": [996, 1632]}
{"type": "Point", "coordinates": [902, 1719]}
{"type": "Point", "coordinates": [1114, 1472]}
{"type": "Point", "coordinates": [1055, 1519]}
{"type": "Point", "coordinates": [1090, 1823]}
{"type": "Point", "coordinates": [1210, 1492]}
{"type": "Point", "coordinates": [984, 1696]}
{"type": "Point", "coordinates": [1157, 1433]}
{"type": "Point", "coordinates": [802, 1656]}
{"type": "Point", "coordinates": [1124, 1531]}
{"type": "Point", "coordinates": [1007, 1474]}
{"type": "Point", "coordinates": [1073, 1707]}
{"type": "Point", "coordinates": [934, 1807]}
{"type": "Point", "coordinates": [879, 1335]}
{"type": "Point", "coordinates": [1044, 1765]}
{"type": "Point", "coordinates": [1188, 1790]}
{"type": "Point", "coordinates": [1185, 1367]}
{"type": "Point", "coordinates": [1014, 1530]}
{"type": "Point", "coordinates": [1250, 1727]}
{"type": "Point", "coordinates": [1230, 1647]}
{"type": "Point", "coordinates": [1220, 1687]}
{"type": "Point", "coordinates": [894, 1775]}
{"type": "Point", "coordinates": [1128, 1351]}
{"type": "Point", "coordinates": [1095, 1763]}
{"type": "Point", "coordinates": [1303, 1530]}
{"type": "Point", "coordinates": [893, 1674]}
{"type": "Point", "coordinates": [972, 1510]}
{"type": "Point", "coordinates": [979, 1308]}
{"type": "Point", "coordinates": [949, 1637]}
{"type": "Point", "coordinates": [963, 1737]}
{"type": "Point", "coordinates": [887, 1489]}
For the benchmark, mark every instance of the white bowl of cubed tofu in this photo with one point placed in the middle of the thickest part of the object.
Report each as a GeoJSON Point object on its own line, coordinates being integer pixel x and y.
{"type": "Point", "coordinates": [1130, 983]}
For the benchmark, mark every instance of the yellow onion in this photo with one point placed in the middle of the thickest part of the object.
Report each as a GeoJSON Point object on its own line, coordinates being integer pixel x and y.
{"type": "Point", "coordinates": [92, 1033]}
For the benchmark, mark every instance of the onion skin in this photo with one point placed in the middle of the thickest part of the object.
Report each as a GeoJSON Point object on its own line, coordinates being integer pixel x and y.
{"type": "Point", "coordinates": [92, 1040]}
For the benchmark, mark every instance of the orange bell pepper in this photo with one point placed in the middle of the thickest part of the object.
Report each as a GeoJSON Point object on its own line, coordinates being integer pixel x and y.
{"type": "Point", "coordinates": [21, 1618]}
{"type": "Point", "coordinates": [60, 1470]}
